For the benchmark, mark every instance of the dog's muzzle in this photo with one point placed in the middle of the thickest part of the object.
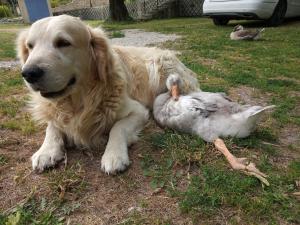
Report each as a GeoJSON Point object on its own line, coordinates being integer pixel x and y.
{"type": "Point", "coordinates": [59, 93]}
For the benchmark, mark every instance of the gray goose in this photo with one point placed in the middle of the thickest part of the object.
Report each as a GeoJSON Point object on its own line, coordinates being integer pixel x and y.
{"type": "Point", "coordinates": [239, 33]}
{"type": "Point", "coordinates": [210, 116]}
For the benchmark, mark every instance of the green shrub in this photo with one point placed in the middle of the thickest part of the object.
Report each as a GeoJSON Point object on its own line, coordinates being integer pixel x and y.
{"type": "Point", "coordinates": [5, 11]}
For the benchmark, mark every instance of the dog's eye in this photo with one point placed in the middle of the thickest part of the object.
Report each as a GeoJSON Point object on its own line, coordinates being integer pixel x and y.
{"type": "Point", "coordinates": [30, 46]}
{"type": "Point", "coordinates": [62, 43]}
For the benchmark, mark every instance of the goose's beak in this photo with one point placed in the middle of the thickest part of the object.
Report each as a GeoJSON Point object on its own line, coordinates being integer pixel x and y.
{"type": "Point", "coordinates": [175, 92]}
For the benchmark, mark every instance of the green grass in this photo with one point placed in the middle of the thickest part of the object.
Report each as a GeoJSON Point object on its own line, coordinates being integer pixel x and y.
{"type": "Point", "coordinates": [3, 159]}
{"type": "Point", "coordinates": [7, 40]}
{"type": "Point", "coordinates": [11, 82]}
{"type": "Point", "coordinates": [12, 27]}
{"type": "Point", "coordinates": [56, 3]}
{"type": "Point", "coordinates": [38, 212]}
{"type": "Point", "coordinates": [7, 46]}
{"type": "Point", "coordinates": [213, 187]}
{"type": "Point", "coordinates": [65, 187]}
{"type": "Point", "coordinates": [117, 34]}
{"type": "Point", "coordinates": [218, 188]}
{"type": "Point", "coordinates": [68, 183]}
{"type": "Point", "coordinates": [13, 103]}
{"type": "Point", "coordinates": [24, 124]}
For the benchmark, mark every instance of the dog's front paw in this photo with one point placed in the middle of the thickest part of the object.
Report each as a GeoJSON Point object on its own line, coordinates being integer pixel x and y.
{"type": "Point", "coordinates": [46, 157]}
{"type": "Point", "coordinates": [112, 162]}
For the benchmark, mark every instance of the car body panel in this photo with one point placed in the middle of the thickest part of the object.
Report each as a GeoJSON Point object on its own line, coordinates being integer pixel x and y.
{"type": "Point", "coordinates": [247, 9]}
{"type": "Point", "coordinates": [293, 8]}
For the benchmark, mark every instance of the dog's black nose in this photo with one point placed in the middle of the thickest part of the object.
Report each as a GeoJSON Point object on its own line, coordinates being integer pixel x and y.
{"type": "Point", "coordinates": [32, 74]}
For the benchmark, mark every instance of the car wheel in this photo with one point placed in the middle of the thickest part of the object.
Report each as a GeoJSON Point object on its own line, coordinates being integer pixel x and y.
{"type": "Point", "coordinates": [220, 21]}
{"type": "Point", "coordinates": [278, 14]}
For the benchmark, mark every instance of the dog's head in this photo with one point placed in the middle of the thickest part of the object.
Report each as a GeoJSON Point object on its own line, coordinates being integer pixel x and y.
{"type": "Point", "coordinates": [60, 53]}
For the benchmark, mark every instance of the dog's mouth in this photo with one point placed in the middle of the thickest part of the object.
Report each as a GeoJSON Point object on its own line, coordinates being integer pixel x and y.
{"type": "Point", "coordinates": [58, 93]}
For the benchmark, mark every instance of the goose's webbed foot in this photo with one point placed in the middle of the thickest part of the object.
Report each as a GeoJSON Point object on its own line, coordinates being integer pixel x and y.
{"type": "Point", "coordinates": [248, 168]}
{"type": "Point", "coordinates": [241, 164]}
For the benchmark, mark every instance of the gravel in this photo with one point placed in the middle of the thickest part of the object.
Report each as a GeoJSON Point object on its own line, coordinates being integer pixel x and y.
{"type": "Point", "coordinates": [140, 38]}
{"type": "Point", "coordinates": [6, 20]}
{"type": "Point", "coordinates": [9, 64]}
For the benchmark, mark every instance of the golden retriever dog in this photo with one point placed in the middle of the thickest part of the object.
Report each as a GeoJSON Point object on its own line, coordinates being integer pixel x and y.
{"type": "Point", "coordinates": [84, 88]}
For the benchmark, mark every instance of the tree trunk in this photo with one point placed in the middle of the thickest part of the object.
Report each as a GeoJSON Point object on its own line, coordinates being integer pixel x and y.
{"type": "Point", "coordinates": [118, 10]}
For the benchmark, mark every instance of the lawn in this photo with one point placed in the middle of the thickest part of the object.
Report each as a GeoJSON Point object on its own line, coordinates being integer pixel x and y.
{"type": "Point", "coordinates": [174, 178]}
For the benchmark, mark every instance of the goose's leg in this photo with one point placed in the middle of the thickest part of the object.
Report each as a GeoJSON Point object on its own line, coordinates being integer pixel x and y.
{"type": "Point", "coordinates": [240, 163]}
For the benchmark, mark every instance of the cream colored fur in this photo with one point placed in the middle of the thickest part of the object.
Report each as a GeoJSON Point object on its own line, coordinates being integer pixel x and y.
{"type": "Point", "coordinates": [115, 86]}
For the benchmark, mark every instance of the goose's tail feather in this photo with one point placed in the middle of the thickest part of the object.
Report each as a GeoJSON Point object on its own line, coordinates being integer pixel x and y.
{"type": "Point", "coordinates": [256, 110]}
{"type": "Point", "coordinates": [261, 30]}
{"type": "Point", "coordinates": [258, 34]}
{"type": "Point", "coordinates": [245, 122]}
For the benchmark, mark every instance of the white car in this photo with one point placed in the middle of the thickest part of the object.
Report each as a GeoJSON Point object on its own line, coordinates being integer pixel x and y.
{"type": "Point", "coordinates": [272, 11]}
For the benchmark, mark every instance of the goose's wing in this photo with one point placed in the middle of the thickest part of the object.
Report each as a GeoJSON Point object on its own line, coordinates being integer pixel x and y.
{"type": "Point", "coordinates": [197, 106]}
{"type": "Point", "coordinates": [247, 34]}
{"type": "Point", "coordinates": [184, 113]}
{"type": "Point", "coordinates": [217, 102]}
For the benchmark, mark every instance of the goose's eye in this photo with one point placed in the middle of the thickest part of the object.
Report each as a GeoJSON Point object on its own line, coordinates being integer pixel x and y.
{"type": "Point", "coordinates": [62, 43]}
{"type": "Point", "coordinates": [30, 46]}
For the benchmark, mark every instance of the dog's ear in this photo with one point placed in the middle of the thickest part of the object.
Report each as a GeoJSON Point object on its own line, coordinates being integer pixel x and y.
{"type": "Point", "coordinates": [102, 54]}
{"type": "Point", "coordinates": [22, 50]}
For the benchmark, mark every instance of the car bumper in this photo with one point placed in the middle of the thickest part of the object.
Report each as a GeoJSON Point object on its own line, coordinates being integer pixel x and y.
{"type": "Point", "coordinates": [236, 9]}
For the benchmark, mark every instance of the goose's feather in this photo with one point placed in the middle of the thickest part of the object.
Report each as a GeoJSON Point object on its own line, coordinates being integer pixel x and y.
{"type": "Point", "coordinates": [245, 34]}
{"type": "Point", "coordinates": [209, 115]}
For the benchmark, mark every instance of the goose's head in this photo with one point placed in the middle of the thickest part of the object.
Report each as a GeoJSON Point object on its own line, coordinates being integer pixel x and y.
{"type": "Point", "coordinates": [238, 28]}
{"type": "Point", "coordinates": [174, 84]}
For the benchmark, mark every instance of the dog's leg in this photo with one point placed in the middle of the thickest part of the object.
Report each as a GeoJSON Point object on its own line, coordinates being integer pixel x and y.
{"type": "Point", "coordinates": [124, 132]}
{"type": "Point", "coordinates": [51, 151]}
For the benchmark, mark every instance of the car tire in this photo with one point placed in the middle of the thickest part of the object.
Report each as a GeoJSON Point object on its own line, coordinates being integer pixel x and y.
{"type": "Point", "coordinates": [278, 15]}
{"type": "Point", "coordinates": [220, 21]}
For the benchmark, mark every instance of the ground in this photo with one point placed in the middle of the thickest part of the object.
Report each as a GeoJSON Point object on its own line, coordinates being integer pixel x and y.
{"type": "Point", "coordinates": [174, 178]}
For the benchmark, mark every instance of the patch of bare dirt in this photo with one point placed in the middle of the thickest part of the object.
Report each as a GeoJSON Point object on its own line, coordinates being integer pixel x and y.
{"type": "Point", "coordinates": [208, 62]}
{"type": "Point", "coordinates": [239, 58]}
{"type": "Point", "coordinates": [17, 149]}
{"type": "Point", "coordinates": [106, 199]}
{"type": "Point", "coordinates": [290, 135]}
{"type": "Point", "coordinates": [249, 95]}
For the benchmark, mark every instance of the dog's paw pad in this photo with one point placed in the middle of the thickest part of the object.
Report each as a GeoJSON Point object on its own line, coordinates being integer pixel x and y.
{"type": "Point", "coordinates": [112, 164]}
{"type": "Point", "coordinates": [42, 160]}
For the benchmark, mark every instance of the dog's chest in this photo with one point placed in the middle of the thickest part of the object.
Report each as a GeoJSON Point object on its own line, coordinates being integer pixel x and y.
{"type": "Point", "coordinates": [88, 128]}
{"type": "Point", "coordinates": [86, 125]}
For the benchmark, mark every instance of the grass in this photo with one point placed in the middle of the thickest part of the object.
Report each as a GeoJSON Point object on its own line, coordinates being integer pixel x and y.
{"type": "Point", "coordinates": [57, 3]}
{"type": "Point", "coordinates": [213, 187]}
{"type": "Point", "coordinates": [13, 101]}
{"type": "Point", "coordinates": [136, 218]}
{"type": "Point", "coordinates": [38, 212]}
{"type": "Point", "coordinates": [117, 34]}
{"type": "Point", "coordinates": [7, 46]}
{"type": "Point", "coordinates": [219, 188]}
{"type": "Point", "coordinates": [184, 167]}
{"type": "Point", "coordinates": [3, 159]}
{"type": "Point", "coordinates": [65, 186]}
